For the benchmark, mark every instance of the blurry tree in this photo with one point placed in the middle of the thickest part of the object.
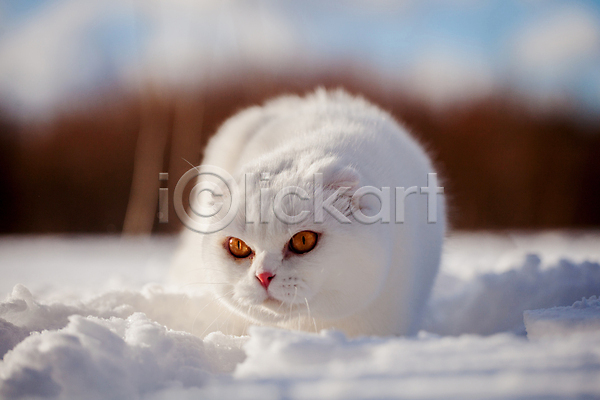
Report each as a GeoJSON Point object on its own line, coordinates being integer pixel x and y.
{"type": "Point", "coordinates": [505, 166]}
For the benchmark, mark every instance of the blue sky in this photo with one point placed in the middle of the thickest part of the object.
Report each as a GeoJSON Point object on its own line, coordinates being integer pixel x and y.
{"type": "Point", "coordinates": [450, 48]}
{"type": "Point", "coordinates": [485, 30]}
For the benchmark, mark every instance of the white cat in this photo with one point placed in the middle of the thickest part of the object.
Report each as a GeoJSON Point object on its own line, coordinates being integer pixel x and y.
{"type": "Point", "coordinates": [361, 278]}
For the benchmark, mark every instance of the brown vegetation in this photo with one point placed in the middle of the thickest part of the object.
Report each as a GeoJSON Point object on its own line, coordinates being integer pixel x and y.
{"type": "Point", "coordinates": [504, 166]}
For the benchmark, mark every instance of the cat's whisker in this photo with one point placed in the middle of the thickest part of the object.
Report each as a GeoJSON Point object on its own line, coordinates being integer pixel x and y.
{"type": "Point", "coordinates": [278, 308]}
{"type": "Point", "coordinates": [290, 310]}
{"type": "Point", "coordinates": [193, 166]}
{"type": "Point", "coordinates": [225, 321]}
{"type": "Point", "coordinates": [213, 321]}
{"type": "Point", "coordinates": [202, 283]}
{"type": "Point", "coordinates": [299, 319]}
{"type": "Point", "coordinates": [204, 269]}
{"type": "Point", "coordinates": [309, 314]}
{"type": "Point", "coordinates": [249, 312]}
{"type": "Point", "coordinates": [292, 302]}
{"type": "Point", "coordinates": [248, 322]}
{"type": "Point", "coordinates": [205, 283]}
{"type": "Point", "coordinates": [207, 304]}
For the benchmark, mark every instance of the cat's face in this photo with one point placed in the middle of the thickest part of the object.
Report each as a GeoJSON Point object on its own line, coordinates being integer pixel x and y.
{"type": "Point", "coordinates": [273, 272]}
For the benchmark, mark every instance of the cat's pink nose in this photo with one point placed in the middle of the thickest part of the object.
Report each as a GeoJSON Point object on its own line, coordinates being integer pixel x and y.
{"type": "Point", "coordinates": [265, 278]}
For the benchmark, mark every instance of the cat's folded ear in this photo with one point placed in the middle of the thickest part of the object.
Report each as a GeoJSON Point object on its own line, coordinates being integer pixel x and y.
{"type": "Point", "coordinates": [337, 177]}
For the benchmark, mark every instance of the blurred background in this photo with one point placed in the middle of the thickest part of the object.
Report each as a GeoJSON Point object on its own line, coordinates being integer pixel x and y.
{"type": "Point", "coordinates": [99, 96]}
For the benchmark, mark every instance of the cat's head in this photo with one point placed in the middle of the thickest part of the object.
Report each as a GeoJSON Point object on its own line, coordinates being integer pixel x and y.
{"type": "Point", "coordinates": [273, 270]}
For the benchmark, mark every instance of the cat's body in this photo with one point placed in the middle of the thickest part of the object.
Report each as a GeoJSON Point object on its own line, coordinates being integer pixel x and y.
{"type": "Point", "coordinates": [360, 278]}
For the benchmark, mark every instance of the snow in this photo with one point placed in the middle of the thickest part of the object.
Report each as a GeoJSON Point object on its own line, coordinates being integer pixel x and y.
{"type": "Point", "coordinates": [87, 264]}
{"type": "Point", "coordinates": [582, 316]}
{"type": "Point", "coordinates": [509, 318]}
{"type": "Point", "coordinates": [492, 303]}
{"type": "Point", "coordinates": [501, 366]}
{"type": "Point", "coordinates": [97, 358]}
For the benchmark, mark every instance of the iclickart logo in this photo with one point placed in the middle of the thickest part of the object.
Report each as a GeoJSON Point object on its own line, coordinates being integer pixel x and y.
{"type": "Point", "coordinates": [215, 198]}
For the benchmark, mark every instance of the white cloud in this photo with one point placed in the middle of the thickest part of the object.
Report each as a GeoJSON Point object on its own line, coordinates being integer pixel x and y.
{"type": "Point", "coordinates": [567, 36]}
{"type": "Point", "coordinates": [189, 41]}
{"type": "Point", "coordinates": [446, 75]}
{"type": "Point", "coordinates": [46, 58]}
{"type": "Point", "coordinates": [70, 47]}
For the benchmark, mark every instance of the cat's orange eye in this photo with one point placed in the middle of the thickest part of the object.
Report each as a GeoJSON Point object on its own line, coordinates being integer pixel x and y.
{"type": "Point", "coordinates": [238, 248]}
{"type": "Point", "coordinates": [303, 242]}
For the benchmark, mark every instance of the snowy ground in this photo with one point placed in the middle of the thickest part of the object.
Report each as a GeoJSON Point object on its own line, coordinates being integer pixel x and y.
{"type": "Point", "coordinates": [89, 319]}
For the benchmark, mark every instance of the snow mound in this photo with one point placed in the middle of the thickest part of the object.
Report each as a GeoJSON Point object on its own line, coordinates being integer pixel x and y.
{"type": "Point", "coordinates": [494, 302]}
{"type": "Point", "coordinates": [21, 314]}
{"type": "Point", "coordinates": [96, 358]}
{"type": "Point", "coordinates": [133, 358]}
{"type": "Point", "coordinates": [582, 316]}
{"type": "Point", "coordinates": [501, 366]}
{"type": "Point", "coordinates": [150, 342]}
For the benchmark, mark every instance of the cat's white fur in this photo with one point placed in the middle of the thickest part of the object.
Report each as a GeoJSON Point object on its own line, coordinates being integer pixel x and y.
{"type": "Point", "coordinates": [361, 279]}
